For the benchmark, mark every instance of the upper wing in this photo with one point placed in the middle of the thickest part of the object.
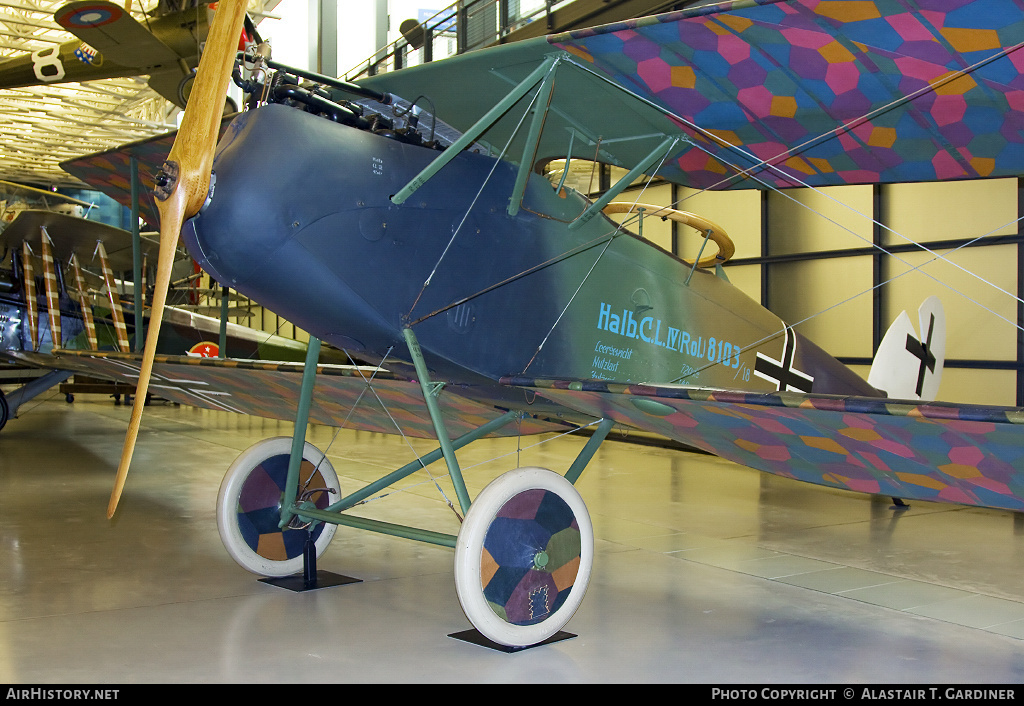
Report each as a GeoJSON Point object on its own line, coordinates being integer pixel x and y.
{"type": "Point", "coordinates": [36, 196]}
{"type": "Point", "coordinates": [72, 234]}
{"type": "Point", "coordinates": [109, 29]}
{"type": "Point", "coordinates": [815, 92]}
{"type": "Point", "coordinates": [962, 454]}
{"type": "Point", "coordinates": [940, 452]}
{"type": "Point", "coordinates": [342, 396]}
{"type": "Point", "coordinates": [110, 171]}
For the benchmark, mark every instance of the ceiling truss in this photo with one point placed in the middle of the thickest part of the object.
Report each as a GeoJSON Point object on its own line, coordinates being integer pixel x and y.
{"type": "Point", "coordinates": [41, 126]}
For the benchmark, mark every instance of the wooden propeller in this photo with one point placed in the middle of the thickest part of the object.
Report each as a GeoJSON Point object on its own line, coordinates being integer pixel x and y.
{"type": "Point", "coordinates": [181, 191]}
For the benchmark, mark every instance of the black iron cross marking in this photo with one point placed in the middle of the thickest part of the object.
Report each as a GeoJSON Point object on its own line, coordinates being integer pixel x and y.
{"type": "Point", "coordinates": [782, 372]}
{"type": "Point", "coordinates": [923, 352]}
{"type": "Point", "coordinates": [211, 398]}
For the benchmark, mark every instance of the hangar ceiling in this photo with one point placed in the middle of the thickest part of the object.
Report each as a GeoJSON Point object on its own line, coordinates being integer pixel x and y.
{"type": "Point", "coordinates": [41, 126]}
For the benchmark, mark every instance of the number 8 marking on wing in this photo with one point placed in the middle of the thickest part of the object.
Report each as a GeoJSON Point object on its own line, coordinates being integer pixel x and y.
{"type": "Point", "coordinates": [44, 59]}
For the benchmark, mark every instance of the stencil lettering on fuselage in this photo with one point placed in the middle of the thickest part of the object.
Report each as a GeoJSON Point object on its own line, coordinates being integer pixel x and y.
{"type": "Point", "coordinates": [650, 331]}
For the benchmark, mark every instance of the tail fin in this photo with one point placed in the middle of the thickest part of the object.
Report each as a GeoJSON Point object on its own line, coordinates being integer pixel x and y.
{"type": "Point", "coordinates": [908, 366]}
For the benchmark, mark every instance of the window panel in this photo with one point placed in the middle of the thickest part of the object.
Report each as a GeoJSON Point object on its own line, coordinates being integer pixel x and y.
{"type": "Point", "coordinates": [815, 220]}
{"type": "Point", "coordinates": [738, 212]}
{"type": "Point", "coordinates": [979, 317]}
{"type": "Point", "coordinates": [829, 301]}
{"type": "Point", "coordinates": [746, 278]}
{"type": "Point", "coordinates": [949, 210]}
{"type": "Point", "coordinates": [994, 387]}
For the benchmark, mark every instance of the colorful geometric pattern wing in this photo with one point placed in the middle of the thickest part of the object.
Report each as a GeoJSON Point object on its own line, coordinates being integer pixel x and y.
{"type": "Point", "coordinates": [341, 396]}
{"type": "Point", "coordinates": [827, 91]}
{"type": "Point", "coordinates": [110, 171]}
{"type": "Point", "coordinates": [970, 455]}
{"type": "Point", "coordinates": [788, 92]}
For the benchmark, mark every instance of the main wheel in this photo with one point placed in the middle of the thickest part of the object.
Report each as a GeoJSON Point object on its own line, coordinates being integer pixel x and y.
{"type": "Point", "coordinates": [5, 410]}
{"type": "Point", "coordinates": [249, 506]}
{"type": "Point", "coordinates": [523, 557]}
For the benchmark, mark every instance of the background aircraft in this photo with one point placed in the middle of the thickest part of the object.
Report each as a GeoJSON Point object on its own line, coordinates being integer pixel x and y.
{"type": "Point", "coordinates": [58, 290]}
{"type": "Point", "coordinates": [503, 298]}
{"type": "Point", "coordinates": [111, 43]}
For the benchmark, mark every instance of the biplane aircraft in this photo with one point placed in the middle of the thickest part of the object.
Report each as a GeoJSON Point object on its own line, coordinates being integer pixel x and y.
{"type": "Point", "coordinates": [402, 219]}
{"type": "Point", "coordinates": [111, 43]}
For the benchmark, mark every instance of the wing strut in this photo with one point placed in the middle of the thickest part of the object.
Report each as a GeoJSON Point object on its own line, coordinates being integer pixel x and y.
{"type": "Point", "coordinates": [115, 303]}
{"type": "Point", "coordinates": [52, 290]}
{"type": "Point", "coordinates": [479, 127]}
{"type": "Point", "coordinates": [83, 299]}
{"type": "Point", "coordinates": [593, 443]}
{"type": "Point", "coordinates": [28, 281]}
{"type": "Point", "coordinates": [540, 111]}
{"type": "Point", "coordinates": [660, 152]}
{"type": "Point", "coordinates": [299, 434]}
{"type": "Point", "coordinates": [291, 508]}
{"type": "Point", "coordinates": [430, 391]}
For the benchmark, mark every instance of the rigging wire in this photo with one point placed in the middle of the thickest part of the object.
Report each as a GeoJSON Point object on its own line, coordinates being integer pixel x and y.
{"type": "Point", "coordinates": [935, 255]}
{"type": "Point", "coordinates": [337, 429]}
{"type": "Point", "coordinates": [600, 255]}
{"type": "Point", "coordinates": [831, 134]}
{"type": "Point", "coordinates": [517, 452]}
{"type": "Point", "coordinates": [793, 326]}
{"type": "Point", "coordinates": [408, 443]}
{"type": "Point", "coordinates": [458, 228]}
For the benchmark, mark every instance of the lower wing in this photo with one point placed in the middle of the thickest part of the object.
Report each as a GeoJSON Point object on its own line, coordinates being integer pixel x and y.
{"type": "Point", "coordinates": [965, 454]}
{"type": "Point", "coordinates": [346, 396]}
{"type": "Point", "coordinates": [940, 452]}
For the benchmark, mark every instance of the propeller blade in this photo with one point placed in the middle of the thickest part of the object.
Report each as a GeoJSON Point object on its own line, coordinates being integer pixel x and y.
{"type": "Point", "coordinates": [185, 185]}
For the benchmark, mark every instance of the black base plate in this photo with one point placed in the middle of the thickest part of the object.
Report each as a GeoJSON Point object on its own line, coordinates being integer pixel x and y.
{"type": "Point", "coordinates": [297, 582]}
{"type": "Point", "coordinates": [473, 636]}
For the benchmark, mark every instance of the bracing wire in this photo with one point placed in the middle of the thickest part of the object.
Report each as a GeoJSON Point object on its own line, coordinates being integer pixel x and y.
{"type": "Point", "coordinates": [405, 438]}
{"type": "Point", "coordinates": [935, 255]}
{"type": "Point", "coordinates": [767, 164]}
{"type": "Point", "coordinates": [596, 261]}
{"type": "Point", "coordinates": [465, 216]}
{"type": "Point", "coordinates": [352, 409]}
{"type": "Point", "coordinates": [517, 452]}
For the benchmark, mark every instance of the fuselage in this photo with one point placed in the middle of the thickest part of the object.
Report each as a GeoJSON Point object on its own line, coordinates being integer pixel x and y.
{"type": "Point", "coordinates": [301, 220]}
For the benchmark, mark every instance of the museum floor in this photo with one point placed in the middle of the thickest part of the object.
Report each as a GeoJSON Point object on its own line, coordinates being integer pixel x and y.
{"type": "Point", "coordinates": [704, 571]}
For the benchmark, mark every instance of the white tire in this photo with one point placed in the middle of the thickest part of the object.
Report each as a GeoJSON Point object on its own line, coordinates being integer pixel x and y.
{"type": "Point", "coordinates": [249, 507]}
{"type": "Point", "coordinates": [523, 557]}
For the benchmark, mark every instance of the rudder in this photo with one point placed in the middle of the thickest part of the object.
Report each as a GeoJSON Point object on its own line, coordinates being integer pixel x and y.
{"type": "Point", "coordinates": [907, 365]}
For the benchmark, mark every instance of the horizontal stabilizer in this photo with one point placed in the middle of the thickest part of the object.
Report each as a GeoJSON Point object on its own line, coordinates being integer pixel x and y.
{"type": "Point", "coordinates": [908, 366]}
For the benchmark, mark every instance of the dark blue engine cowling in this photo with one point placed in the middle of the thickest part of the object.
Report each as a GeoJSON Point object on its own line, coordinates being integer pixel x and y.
{"type": "Point", "coordinates": [290, 218]}
{"type": "Point", "coordinates": [301, 221]}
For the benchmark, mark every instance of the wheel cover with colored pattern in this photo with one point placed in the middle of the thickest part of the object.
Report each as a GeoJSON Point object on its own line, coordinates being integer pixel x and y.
{"type": "Point", "coordinates": [523, 557]}
{"type": "Point", "coordinates": [530, 557]}
{"type": "Point", "coordinates": [249, 507]}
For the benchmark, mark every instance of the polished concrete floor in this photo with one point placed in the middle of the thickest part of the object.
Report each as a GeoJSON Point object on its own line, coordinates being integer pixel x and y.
{"type": "Point", "coordinates": [704, 571]}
